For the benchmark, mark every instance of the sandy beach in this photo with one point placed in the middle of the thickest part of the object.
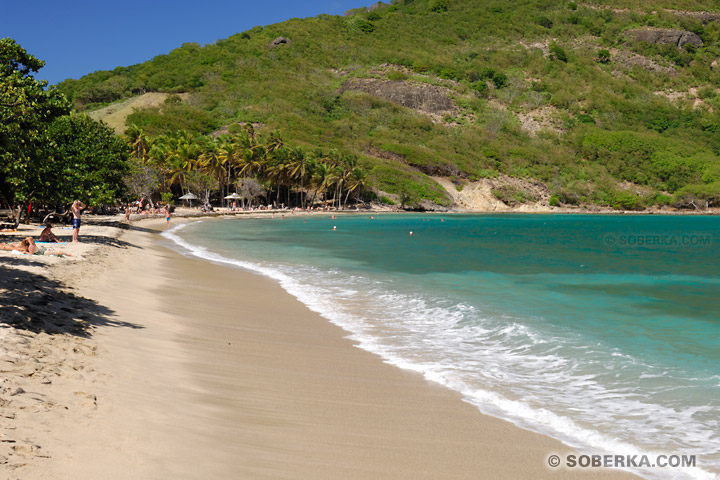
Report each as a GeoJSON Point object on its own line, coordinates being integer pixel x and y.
{"type": "Point", "coordinates": [130, 360]}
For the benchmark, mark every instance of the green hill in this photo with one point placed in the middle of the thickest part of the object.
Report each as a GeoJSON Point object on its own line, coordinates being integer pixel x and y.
{"type": "Point", "coordinates": [611, 103]}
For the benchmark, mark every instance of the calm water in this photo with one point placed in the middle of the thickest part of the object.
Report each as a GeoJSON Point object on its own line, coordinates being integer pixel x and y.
{"type": "Point", "coordinates": [601, 331]}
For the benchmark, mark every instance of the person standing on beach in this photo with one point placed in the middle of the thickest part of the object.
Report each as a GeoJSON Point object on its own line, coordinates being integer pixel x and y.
{"type": "Point", "coordinates": [167, 214]}
{"type": "Point", "coordinates": [77, 208]}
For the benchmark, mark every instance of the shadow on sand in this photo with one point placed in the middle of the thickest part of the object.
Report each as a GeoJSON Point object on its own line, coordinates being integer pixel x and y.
{"type": "Point", "coordinates": [33, 302]}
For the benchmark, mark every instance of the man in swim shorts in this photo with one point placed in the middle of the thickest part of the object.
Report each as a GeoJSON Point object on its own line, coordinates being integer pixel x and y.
{"type": "Point", "coordinates": [77, 208]}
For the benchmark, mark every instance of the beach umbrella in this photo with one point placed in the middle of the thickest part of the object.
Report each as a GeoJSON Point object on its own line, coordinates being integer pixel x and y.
{"type": "Point", "coordinates": [233, 196]}
{"type": "Point", "coordinates": [189, 197]}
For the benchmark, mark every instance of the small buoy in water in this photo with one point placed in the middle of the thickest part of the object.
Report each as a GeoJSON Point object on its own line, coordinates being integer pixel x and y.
{"type": "Point", "coordinates": [412, 233]}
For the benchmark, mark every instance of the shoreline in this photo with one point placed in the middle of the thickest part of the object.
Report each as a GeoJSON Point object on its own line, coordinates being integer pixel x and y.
{"type": "Point", "coordinates": [289, 396]}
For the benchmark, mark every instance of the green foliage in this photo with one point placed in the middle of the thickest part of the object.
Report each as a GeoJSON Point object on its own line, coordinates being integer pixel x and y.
{"type": "Point", "coordinates": [603, 56]}
{"type": "Point", "coordinates": [624, 200]}
{"type": "Point", "coordinates": [611, 127]}
{"type": "Point", "coordinates": [47, 156]}
{"type": "Point", "coordinates": [211, 165]}
{"type": "Point", "coordinates": [26, 112]}
{"type": "Point", "coordinates": [396, 75]}
{"type": "Point", "coordinates": [558, 53]}
{"type": "Point", "coordinates": [447, 73]}
{"type": "Point", "coordinates": [585, 118]}
{"type": "Point", "coordinates": [89, 159]}
{"type": "Point", "coordinates": [706, 93]}
{"type": "Point", "coordinates": [173, 116]}
{"type": "Point", "coordinates": [480, 87]}
{"type": "Point", "coordinates": [438, 6]}
{"type": "Point", "coordinates": [359, 24]}
{"type": "Point", "coordinates": [698, 196]}
{"type": "Point", "coordinates": [499, 80]}
{"type": "Point", "coordinates": [544, 21]}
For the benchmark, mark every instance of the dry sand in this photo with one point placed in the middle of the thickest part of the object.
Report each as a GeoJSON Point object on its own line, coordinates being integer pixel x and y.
{"type": "Point", "coordinates": [162, 366]}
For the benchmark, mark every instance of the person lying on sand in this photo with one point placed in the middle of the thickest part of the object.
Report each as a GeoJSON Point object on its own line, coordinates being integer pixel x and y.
{"type": "Point", "coordinates": [47, 235]}
{"type": "Point", "coordinates": [29, 247]}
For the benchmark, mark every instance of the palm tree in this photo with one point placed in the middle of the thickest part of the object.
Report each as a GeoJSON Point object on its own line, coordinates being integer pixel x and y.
{"type": "Point", "coordinates": [274, 142]}
{"type": "Point", "coordinates": [211, 164]}
{"type": "Point", "coordinates": [279, 171]}
{"type": "Point", "coordinates": [356, 182]}
{"type": "Point", "coordinates": [299, 170]}
{"type": "Point", "coordinates": [176, 154]}
{"type": "Point", "coordinates": [138, 141]}
{"type": "Point", "coordinates": [321, 178]}
{"type": "Point", "coordinates": [230, 157]}
{"type": "Point", "coordinates": [346, 166]}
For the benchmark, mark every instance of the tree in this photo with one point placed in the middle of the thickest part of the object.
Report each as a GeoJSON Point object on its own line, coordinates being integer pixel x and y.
{"type": "Point", "coordinates": [26, 112]}
{"type": "Point", "coordinates": [201, 183]}
{"type": "Point", "coordinates": [139, 142]}
{"type": "Point", "coordinates": [142, 181]}
{"type": "Point", "coordinates": [89, 162]}
{"type": "Point", "coordinates": [250, 189]}
{"type": "Point", "coordinates": [356, 182]}
{"type": "Point", "coordinates": [299, 170]}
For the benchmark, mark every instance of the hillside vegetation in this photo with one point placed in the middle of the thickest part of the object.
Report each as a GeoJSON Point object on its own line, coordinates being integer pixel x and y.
{"type": "Point", "coordinates": [611, 103]}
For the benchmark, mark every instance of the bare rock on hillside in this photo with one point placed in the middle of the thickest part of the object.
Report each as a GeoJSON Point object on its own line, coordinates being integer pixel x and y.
{"type": "Point", "coordinates": [704, 17]}
{"type": "Point", "coordinates": [663, 36]}
{"type": "Point", "coordinates": [715, 65]}
{"type": "Point", "coordinates": [479, 197]}
{"type": "Point", "coordinates": [543, 118]}
{"type": "Point", "coordinates": [429, 99]}
{"type": "Point", "coordinates": [629, 60]}
{"type": "Point", "coordinates": [280, 41]}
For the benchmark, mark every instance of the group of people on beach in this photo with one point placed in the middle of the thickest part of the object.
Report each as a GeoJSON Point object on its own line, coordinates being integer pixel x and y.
{"type": "Point", "coordinates": [29, 247]}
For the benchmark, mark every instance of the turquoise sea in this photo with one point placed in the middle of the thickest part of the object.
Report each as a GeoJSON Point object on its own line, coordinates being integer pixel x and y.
{"type": "Point", "coordinates": [601, 331]}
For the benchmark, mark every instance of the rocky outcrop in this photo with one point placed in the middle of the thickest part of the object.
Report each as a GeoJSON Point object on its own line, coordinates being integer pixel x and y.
{"type": "Point", "coordinates": [704, 17]}
{"type": "Point", "coordinates": [479, 197]}
{"type": "Point", "coordinates": [429, 99]}
{"type": "Point", "coordinates": [280, 41]}
{"type": "Point", "coordinates": [663, 36]}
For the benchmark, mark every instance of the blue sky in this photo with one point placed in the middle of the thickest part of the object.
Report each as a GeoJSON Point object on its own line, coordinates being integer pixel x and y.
{"type": "Point", "coordinates": [77, 37]}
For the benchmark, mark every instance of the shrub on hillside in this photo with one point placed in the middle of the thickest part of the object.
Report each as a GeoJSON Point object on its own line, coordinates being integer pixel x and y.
{"type": "Point", "coordinates": [558, 53]}
{"type": "Point", "coordinates": [499, 80]}
{"type": "Point", "coordinates": [603, 56]}
{"type": "Point", "coordinates": [438, 6]}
